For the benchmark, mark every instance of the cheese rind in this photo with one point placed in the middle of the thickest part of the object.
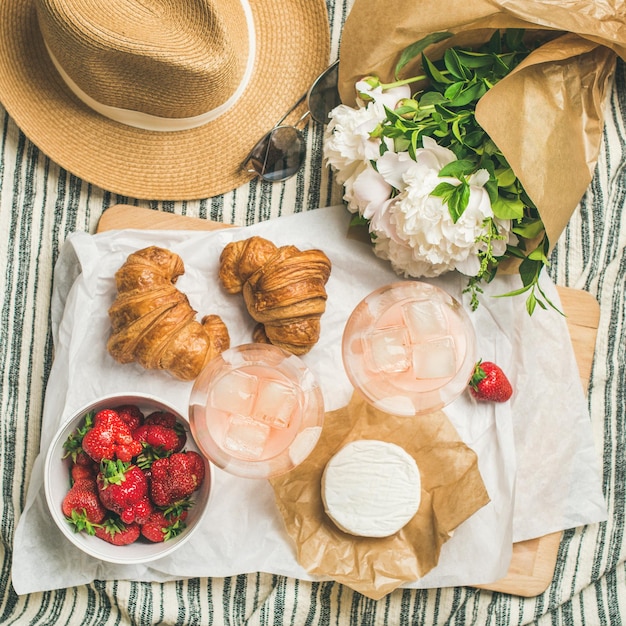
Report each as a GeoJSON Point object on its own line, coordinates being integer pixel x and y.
{"type": "Point", "coordinates": [371, 488]}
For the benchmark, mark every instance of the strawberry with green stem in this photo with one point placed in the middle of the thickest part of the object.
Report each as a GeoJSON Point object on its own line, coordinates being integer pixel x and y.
{"type": "Point", "coordinates": [489, 383]}
{"type": "Point", "coordinates": [176, 477]}
{"type": "Point", "coordinates": [123, 488]}
{"type": "Point", "coordinates": [110, 438]}
{"type": "Point", "coordinates": [164, 525]}
{"type": "Point", "coordinates": [161, 435]}
{"type": "Point", "coordinates": [169, 420]}
{"type": "Point", "coordinates": [82, 506]}
{"type": "Point", "coordinates": [157, 441]}
{"type": "Point", "coordinates": [116, 532]}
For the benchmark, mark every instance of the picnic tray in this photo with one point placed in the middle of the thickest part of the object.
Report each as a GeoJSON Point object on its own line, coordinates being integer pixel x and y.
{"type": "Point", "coordinates": [533, 561]}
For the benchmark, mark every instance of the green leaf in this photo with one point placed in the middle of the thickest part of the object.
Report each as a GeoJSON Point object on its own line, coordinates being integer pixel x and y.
{"type": "Point", "coordinates": [550, 303]}
{"type": "Point", "coordinates": [506, 177]}
{"type": "Point", "coordinates": [491, 187]}
{"type": "Point", "coordinates": [460, 200]}
{"type": "Point", "coordinates": [402, 144]}
{"type": "Point", "coordinates": [538, 255]}
{"type": "Point", "coordinates": [358, 220]}
{"type": "Point", "coordinates": [456, 197]}
{"type": "Point", "coordinates": [444, 191]}
{"type": "Point", "coordinates": [458, 169]}
{"type": "Point", "coordinates": [471, 93]}
{"type": "Point", "coordinates": [514, 39]}
{"type": "Point", "coordinates": [529, 271]}
{"type": "Point", "coordinates": [454, 90]}
{"type": "Point", "coordinates": [417, 47]}
{"type": "Point", "coordinates": [433, 72]}
{"type": "Point", "coordinates": [494, 44]}
{"type": "Point", "coordinates": [529, 229]}
{"type": "Point", "coordinates": [501, 68]}
{"type": "Point", "coordinates": [474, 60]}
{"type": "Point", "coordinates": [508, 208]}
{"type": "Point", "coordinates": [475, 139]}
{"type": "Point", "coordinates": [455, 66]}
{"type": "Point", "coordinates": [514, 292]}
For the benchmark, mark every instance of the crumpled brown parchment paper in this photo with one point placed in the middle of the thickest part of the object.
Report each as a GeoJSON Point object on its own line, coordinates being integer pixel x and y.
{"type": "Point", "coordinates": [547, 116]}
{"type": "Point", "coordinates": [452, 491]}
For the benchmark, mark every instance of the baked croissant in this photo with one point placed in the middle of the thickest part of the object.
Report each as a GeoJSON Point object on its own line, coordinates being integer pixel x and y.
{"type": "Point", "coordinates": [283, 289]}
{"type": "Point", "coordinates": [154, 324]}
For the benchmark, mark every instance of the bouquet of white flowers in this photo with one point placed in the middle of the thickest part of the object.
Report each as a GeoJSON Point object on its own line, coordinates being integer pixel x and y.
{"type": "Point", "coordinates": [435, 191]}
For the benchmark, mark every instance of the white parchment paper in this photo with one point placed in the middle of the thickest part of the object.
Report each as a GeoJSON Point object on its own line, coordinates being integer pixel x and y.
{"type": "Point", "coordinates": [536, 452]}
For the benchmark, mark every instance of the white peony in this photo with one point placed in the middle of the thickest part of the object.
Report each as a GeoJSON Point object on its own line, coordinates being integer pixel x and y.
{"type": "Point", "coordinates": [348, 145]}
{"type": "Point", "coordinates": [415, 231]}
{"type": "Point", "coordinates": [410, 227]}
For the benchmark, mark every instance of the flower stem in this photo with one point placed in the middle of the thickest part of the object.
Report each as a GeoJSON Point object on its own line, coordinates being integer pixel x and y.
{"type": "Point", "coordinates": [407, 81]}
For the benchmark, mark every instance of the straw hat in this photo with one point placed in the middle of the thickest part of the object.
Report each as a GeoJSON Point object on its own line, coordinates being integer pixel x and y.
{"type": "Point", "coordinates": [157, 99]}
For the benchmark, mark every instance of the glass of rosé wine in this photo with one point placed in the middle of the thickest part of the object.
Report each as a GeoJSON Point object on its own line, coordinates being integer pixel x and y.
{"type": "Point", "coordinates": [409, 348]}
{"type": "Point", "coordinates": [256, 411]}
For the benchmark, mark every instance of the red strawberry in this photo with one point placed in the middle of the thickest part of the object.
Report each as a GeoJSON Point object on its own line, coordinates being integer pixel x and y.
{"type": "Point", "coordinates": [82, 507]}
{"type": "Point", "coordinates": [176, 477]}
{"type": "Point", "coordinates": [160, 526]}
{"type": "Point", "coordinates": [490, 383]}
{"type": "Point", "coordinates": [169, 420]}
{"type": "Point", "coordinates": [84, 460]}
{"type": "Point", "coordinates": [88, 484]}
{"type": "Point", "coordinates": [164, 418]}
{"type": "Point", "coordinates": [157, 437]}
{"type": "Point", "coordinates": [116, 532]}
{"type": "Point", "coordinates": [123, 488]}
{"type": "Point", "coordinates": [110, 438]}
{"type": "Point", "coordinates": [79, 472]}
{"type": "Point", "coordinates": [131, 415]}
{"type": "Point", "coordinates": [157, 441]}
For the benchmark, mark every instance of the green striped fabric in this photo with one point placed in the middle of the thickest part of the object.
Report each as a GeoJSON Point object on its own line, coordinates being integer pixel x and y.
{"type": "Point", "coordinates": [40, 204]}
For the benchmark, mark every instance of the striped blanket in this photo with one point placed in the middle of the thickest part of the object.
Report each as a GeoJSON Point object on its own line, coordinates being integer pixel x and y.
{"type": "Point", "coordinates": [40, 204]}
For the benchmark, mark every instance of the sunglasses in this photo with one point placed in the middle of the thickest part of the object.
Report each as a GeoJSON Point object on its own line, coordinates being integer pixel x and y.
{"type": "Point", "coordinates": [280, 153]}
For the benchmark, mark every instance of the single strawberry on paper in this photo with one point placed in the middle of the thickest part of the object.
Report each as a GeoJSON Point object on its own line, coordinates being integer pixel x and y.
{"type": "Point", "coordinates": [489, 383]}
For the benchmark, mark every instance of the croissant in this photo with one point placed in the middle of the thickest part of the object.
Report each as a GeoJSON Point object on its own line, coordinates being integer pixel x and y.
{"type": "Point", "coordinates": [283, 289]}
{"type": "Point", "coordinates": [152, 321]}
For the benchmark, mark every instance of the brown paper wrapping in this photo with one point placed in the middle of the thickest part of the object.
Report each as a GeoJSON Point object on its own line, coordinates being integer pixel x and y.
{"type": "Point", "coordinates": [547, 116]}
{"type": "Point", "coordinates": [452, 491]}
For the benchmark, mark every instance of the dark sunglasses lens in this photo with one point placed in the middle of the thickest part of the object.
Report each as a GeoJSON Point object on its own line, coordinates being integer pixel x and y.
{"type": "Point", "coordinates": [323, 96]}
{"type": "Point", "coordinates": [279, 155]}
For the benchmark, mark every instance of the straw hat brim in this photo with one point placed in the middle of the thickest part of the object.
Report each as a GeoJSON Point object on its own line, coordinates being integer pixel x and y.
{"type": "Point", "coordinates": [292, 50]}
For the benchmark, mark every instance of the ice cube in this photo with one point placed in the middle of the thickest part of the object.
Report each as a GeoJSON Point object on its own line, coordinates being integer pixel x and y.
{"type": "Point", "coordinates": [234, 392]}
{"type": "Point", "coordinates": [435, 358]}
{"type": "Point", "coordinates": [245, 436]}
{"type": "Point", "coordinates": [387, 349]}
{"type": "Point", "coordinates": [396, 405]}
{"type": "Point", "coordinates": [304, 443]}
{"type": "Point", "coordinates": [424, 318]}
{"type": "Point", "coordinates": [275, 404]}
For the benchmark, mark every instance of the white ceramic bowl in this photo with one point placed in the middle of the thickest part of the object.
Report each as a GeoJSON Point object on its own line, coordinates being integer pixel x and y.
{"type": "Point", "coordinates": [56, 483]}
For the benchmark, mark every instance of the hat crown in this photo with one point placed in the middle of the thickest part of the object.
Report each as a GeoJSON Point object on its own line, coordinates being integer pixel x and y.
{"type": "Point", "coordinates": [164, 58]}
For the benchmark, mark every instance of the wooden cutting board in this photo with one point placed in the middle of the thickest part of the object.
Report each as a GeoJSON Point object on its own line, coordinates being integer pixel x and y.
{"type": "Point", "coordinates": [533, 561]}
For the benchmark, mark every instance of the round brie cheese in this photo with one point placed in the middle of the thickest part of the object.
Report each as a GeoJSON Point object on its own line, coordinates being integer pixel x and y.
{"type": "Point", "coordinates": [371, 488]}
